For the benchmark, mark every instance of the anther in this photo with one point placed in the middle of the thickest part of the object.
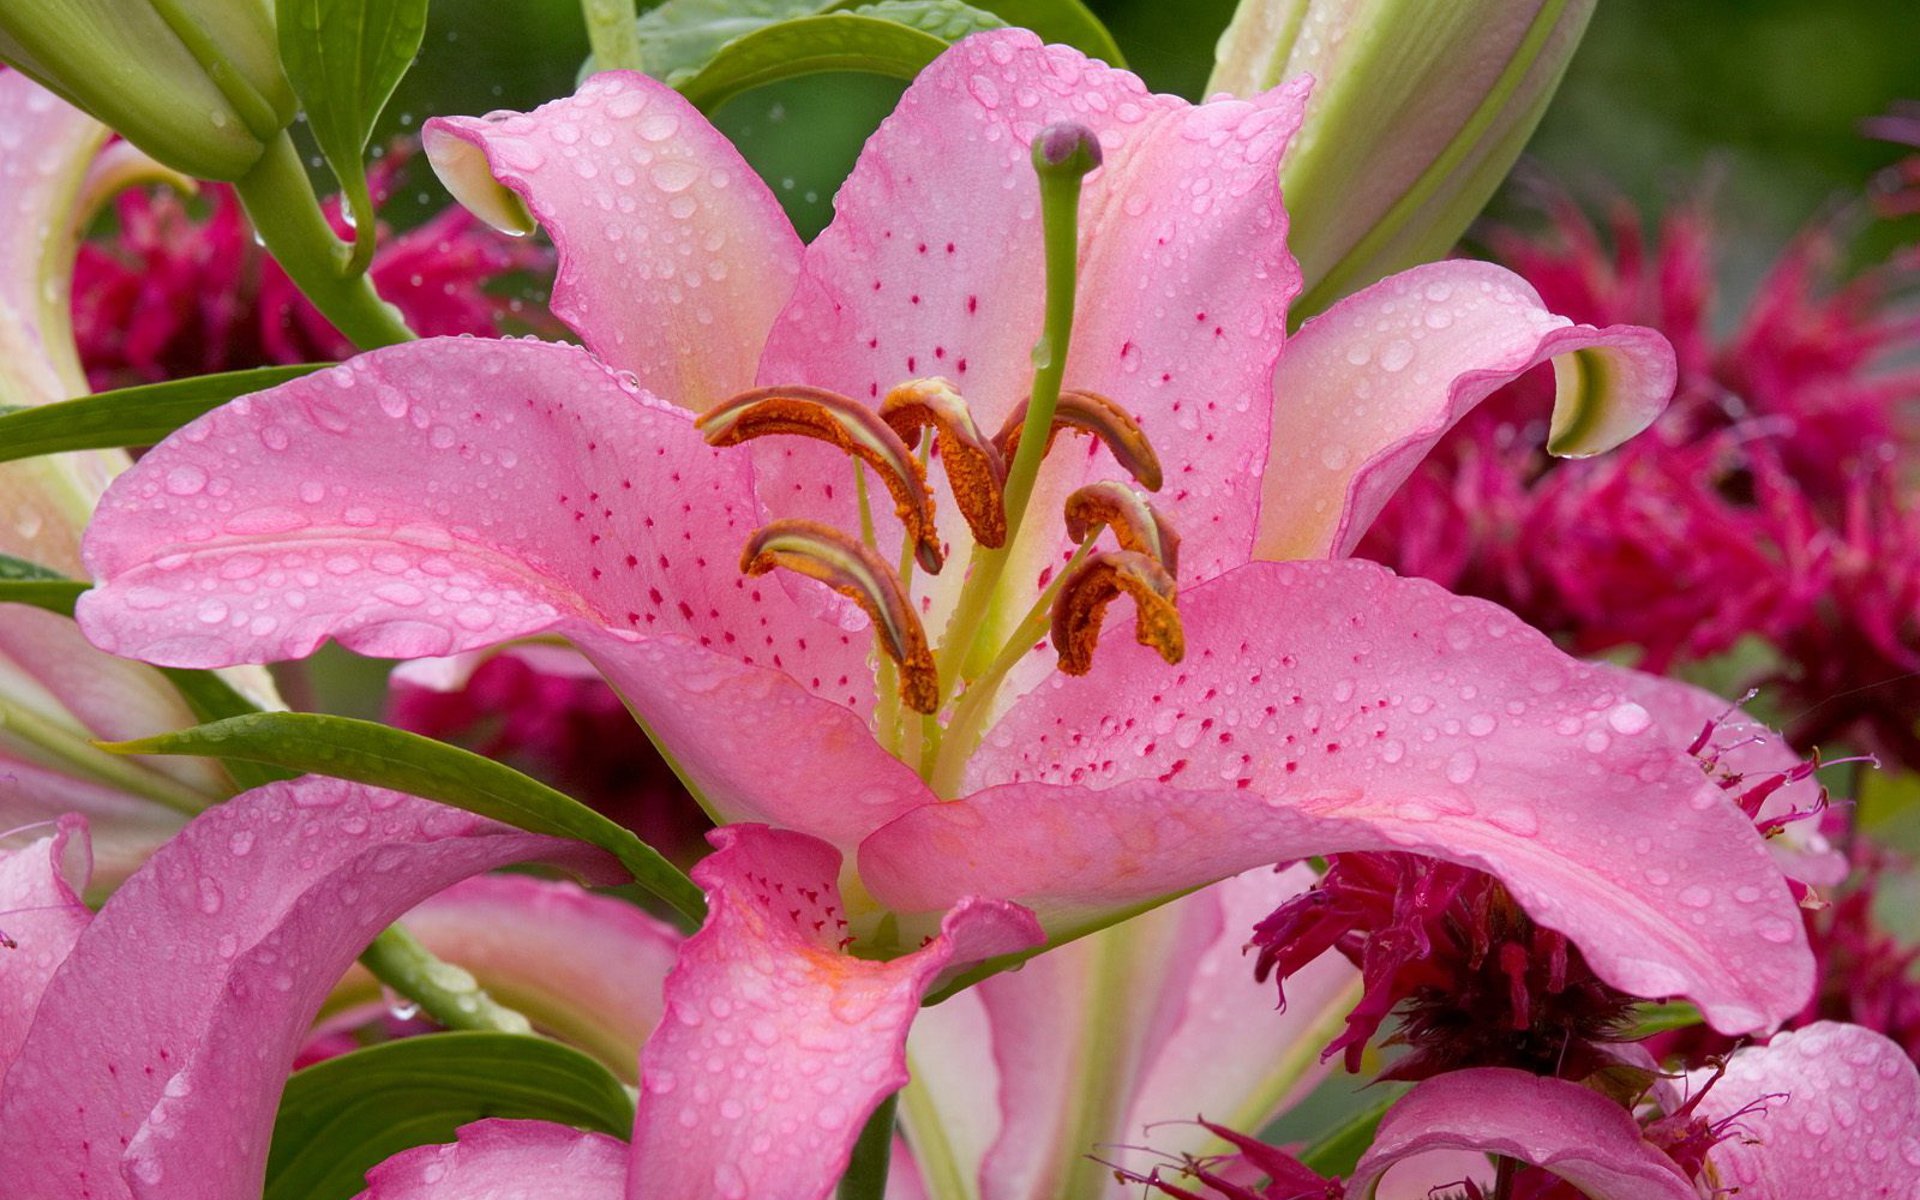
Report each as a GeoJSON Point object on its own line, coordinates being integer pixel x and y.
{"type": "Point", "coordinates": [1136, 524]}
{"type": "Point", "coordinates": [1090, 412]}
{"type": "Point", "coordinates": [1085, 593]}
{"type": "Point", "coordinates": [975, 470]}
{"type": "Point", "coordinates": [857, 571]}
{"type": "Point", "coordinates": [854, 428]}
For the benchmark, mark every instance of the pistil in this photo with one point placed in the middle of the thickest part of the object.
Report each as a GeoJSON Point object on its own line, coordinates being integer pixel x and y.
{"type": "Point", "coordinates": [1063, 155]}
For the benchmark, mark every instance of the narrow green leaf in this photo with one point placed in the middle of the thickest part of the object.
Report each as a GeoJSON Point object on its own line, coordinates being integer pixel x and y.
{"type": "Point", "coordinates": [1337, 1152]}
{"type": "Point", "coordinates": [212, 698]}
{"type": "Point", "coordinates": [371, 753]}
{"type": "Point", "coordinates": [344, 58]}
{"type": "Point", "coordinates": [339, 1117]}
{"type": "Point", "coordinates": [1651, 1018]}
{"type": "Point", "coordinates": [838, 41]}
{"type": "Point", "coordinates": [135, 416]}
{"type": "Point", "coordinates": [23, 582]}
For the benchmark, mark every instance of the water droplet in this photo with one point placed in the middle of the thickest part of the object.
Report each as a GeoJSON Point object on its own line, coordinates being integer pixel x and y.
{"type": "Point", "coordinates": [1462, 766]}
{"type": "Point", "coordinates": [1696, 895]}
{"type": "Point", "coordinates": [1396, 356]}
{"type": "Point", "coordinates": [1629, 718]}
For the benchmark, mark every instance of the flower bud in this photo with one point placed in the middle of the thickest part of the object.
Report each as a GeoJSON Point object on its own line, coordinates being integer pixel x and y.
{"type": "Point", "coordinates": [1419, 109]}
{"type": "Point", "coordinates": [196, 84]}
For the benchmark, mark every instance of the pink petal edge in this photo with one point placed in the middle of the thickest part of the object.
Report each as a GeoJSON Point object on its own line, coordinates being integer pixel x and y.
{"type": "Point", "coordinates": [216, 956]}
{"type": "Point", "coordinates": [1579, 1135]}
{"type": "Point", "coordinates": [1329, 706]}
{"type": "Point", "coordinates": [42, 916]}
{"type": "Point", "coordinates": [528, 1160]}
{"type": "Point", "coordinates": [674, 256]}
{"type": "Point", "coordinates": [1366, 389]}
{"type": "Point", "coordinates": [777, 1044]}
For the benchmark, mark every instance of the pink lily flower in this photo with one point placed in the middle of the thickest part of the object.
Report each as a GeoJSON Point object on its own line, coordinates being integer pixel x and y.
{"type": "Point", "coordinates": [56, 691]}
{"type": "Point", "coordinates": [448, 496]}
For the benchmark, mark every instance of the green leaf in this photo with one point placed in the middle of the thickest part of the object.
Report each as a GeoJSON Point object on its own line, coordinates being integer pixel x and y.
{"type": "Point", "coordinates": [1066, 22]}
{"type": "Point", "coordinates": [872, 40]}
{"type": "Point", "coordinates": [371, 753]}
{"type": "Point", "coordinates": [679, 37]}
{"type": "Point", "coordinates": [23, 582]}
{"type": "Point", "coordinates": [344, 58]}
{"type": "Point", "coordinates": [135, 416]}
{"type": "Point", "coordinates": [1650, 1018]}
{"type": "Point", "coordinates": [1336, 1153]}
{"type": "Point", "coordinates": [339, 1117]}
{"type": "Point", "coordinates": [212, 698]}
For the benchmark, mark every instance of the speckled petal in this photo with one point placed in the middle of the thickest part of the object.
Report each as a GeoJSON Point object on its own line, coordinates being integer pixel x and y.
{"type": "Point", "coordinates": [216, 956]}
{"type": "Point", "coordinates": [933, 266]}
{"type": "Point", "coordinates": [776, 1043]}
{"type": "Point", "coordinates": [1579, 1135]}
{"type": "Point", "coordinates": [496, 1159]}
{"type": "Point", "coordinates": [1743, 749]}
{"type": "Point", "coordinates": [438, 497]}
{"type": "Point", "coordinates": [752, 743]}
{"type": "Point", "coordinates": [41, 916]}
{"type": "Point", "coordinates": [674, 256]}
{"type": "Point", "coordinates": [586, 968]}
{"type": "Point", "coordinates": [1326, 707]}
{"type": "Point", "coordinates": [1367, 388]}
{"type": "Point", "coordinates": [1837, 1117]}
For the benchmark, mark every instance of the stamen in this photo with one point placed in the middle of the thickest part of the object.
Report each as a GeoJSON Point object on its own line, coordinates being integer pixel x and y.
{"type": "Point", "coordinates": [838, 421]}
{"type": "Point", "coordinates": [1082, 605]}
{"type": "Point", "coordinates": [975, 469]}
{"type": "Point", "coordinates": [1138, 525]}
{"type": "Point", "coordinates": [1090, 412]}
{"type": "Point", "coordinates": [857, 571]}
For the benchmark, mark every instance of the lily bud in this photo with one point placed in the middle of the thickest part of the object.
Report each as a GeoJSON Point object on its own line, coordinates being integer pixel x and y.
{"type": "Point", "coordinates": [196, 84]}
{"type": "Point", "coordinates": [1419, 109]}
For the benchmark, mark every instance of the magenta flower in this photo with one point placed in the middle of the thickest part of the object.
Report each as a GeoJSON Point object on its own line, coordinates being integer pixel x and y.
{"type": "Point", "coordinates": [451, 495]}
{"type": "Point", "coordinates": [170, 295]}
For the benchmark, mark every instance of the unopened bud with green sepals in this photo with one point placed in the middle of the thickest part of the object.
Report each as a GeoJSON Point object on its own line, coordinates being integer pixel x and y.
{"type": "Point", "coordinates": [196, 84]}
{"type": "Point", "coordinates": [1419, 109]}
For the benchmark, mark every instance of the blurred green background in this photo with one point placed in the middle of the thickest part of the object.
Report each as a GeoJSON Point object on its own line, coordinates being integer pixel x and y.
{"type": "Point", "coordinates": [1760, 98]}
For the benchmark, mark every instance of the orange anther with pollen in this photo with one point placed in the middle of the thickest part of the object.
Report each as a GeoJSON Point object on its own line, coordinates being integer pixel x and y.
{"type": "Point", "coordinates": [1081, 607]}
{"type": "Point", "coordinates": [975, 469]}
{"type": "Point", "coordinates": [1090, 412]}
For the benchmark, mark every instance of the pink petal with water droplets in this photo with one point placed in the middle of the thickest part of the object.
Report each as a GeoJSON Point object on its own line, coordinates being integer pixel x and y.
{"type": "Point", "coordinates": [1367, 388]}
{"type": "Point", "coordinates": [1579, 1135]}
{"type": "Point", "coordinates": [217, 955]}
{"type": "Point", "coordinates": [527, 1160]}
{"type": "Point", "coordinates": [585, 968]}
{"type": "Point", "coordinates": [933, 265]}
{"type": "Point", "coordinates": [674, 256]}
{"type": "Point", "coordinates": [437, 497]}
{"type": "Point", "coordinates": [1753, 753]}
{"type": "Point", "coordinates": [752, 743]}
{"type": "Point", "coordinates": [1331, 706]}
{"type": "Point", "coordinates": [777, 1044]}
{"type": "Point", "coordinates": [1837, 1117]}
{"type": "Point", "coordinates": [40, 917]}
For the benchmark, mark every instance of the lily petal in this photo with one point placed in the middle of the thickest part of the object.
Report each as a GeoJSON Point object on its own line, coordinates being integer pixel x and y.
{"type": "Point", "coordinates": [1752, 753]}
{"type": "Point", "coordinates": [40, 916]}
{"type": "Point", "coordinates": [816, 1037]}
{"type": "Point", "coordinates": [1579, 1135]}
{"type": "Point", "coordinates": [528, 1160]}
{"type": "Point", "coordinates": [1366, 389]}
{"type": "Point", "coordinates": [674, 256]}
{"type": "Point", "coordinates": [1835, 1116]}
{"type": "Point", "coordinates": [1326, 707]}
{"type": "Point", "coordinates": [217, 955]}
{"type": "Point", "coordinates": [1184, 279]}
{"type": "Point", "coordinates": [586, 968]}
{"type": "Point", "coordinates": [437, 497]}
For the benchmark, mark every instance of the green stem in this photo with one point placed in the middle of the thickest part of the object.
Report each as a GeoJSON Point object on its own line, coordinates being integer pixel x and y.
{"type": "Point", "coordinates": [1504, 1171]}
{"type": "Point", "coordinates": [444, 992]}
{"type": "Point", "coordinates": [280, 202]}
{"type": "Point", "coordinates": [1060, 177]}
{"type": "Point", "coordinates": [614, 35]}
{"type": "Point", "coordinates": [866, 1177]}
